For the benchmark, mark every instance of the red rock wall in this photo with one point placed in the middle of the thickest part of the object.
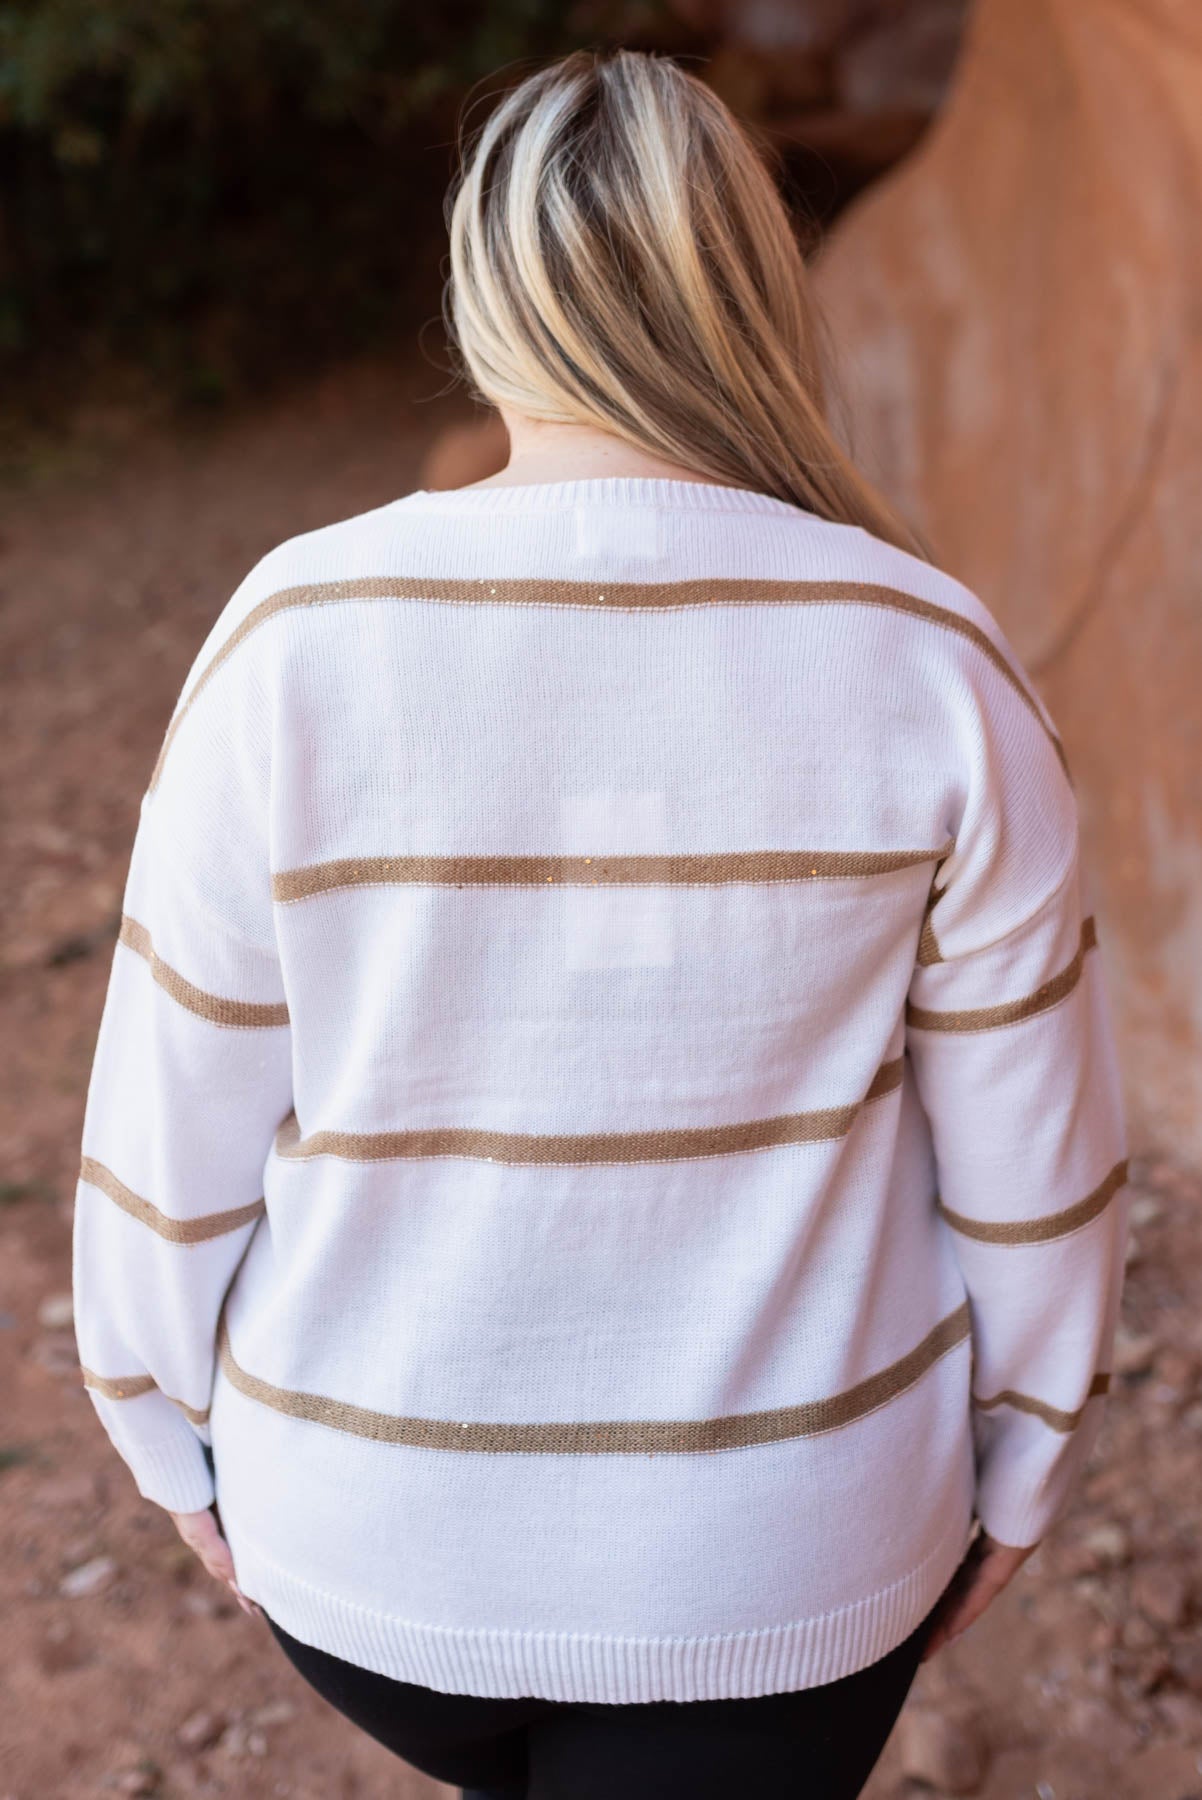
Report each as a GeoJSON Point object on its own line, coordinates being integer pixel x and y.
{"type": "Point", "coordinates": [1019, 310]}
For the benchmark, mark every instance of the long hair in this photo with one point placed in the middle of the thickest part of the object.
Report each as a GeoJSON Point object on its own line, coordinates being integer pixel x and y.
{"type": "Point", "coordinates": [621, 257]}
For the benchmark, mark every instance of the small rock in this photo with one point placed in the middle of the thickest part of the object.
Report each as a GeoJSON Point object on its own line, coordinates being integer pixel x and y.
{"type": "Point", "coordinates": [1187, 1666]}
{"type": "Point", "coordinates": [1139, 1633]}
{"type": "Point", "coordinates": [1182, 1715]}
{"type": "Point", "coordinates": [1106, 1545]}
{"type": "Point", "coordinates": [1148, 1669]}
{"type": "Point", "coordinates": [209, 1602]}
{"type": "Point", "coordinates": [1173, 1180]}
{"type": "Point", "coordinates": [138, 1781]}
{"type": "Point", "coordinates": [202, 1604]}
{"type": "Point", "coordinates": [1095, 1723]}
{"type": "Point", "coordinates": [273, 1712]}
{"type": "Point", "coordinates": [1076, 1562]}
{"type": "Point", "coordinates": [235, 1739]}
{"type": "Point", "coordinates": [89, 1578]}
{"type": "Point", "coordinates": [946, 1753]}
{"type": "Point", "coordinates": [200, 1731]}
{"type": "Point", "coordinates": [1177, 1369]}
{"type": "Point", "coordinates": [1163, 1404]}
{"type": "Point", "coordinates": [1099, 1672]}
{"type": "Point", "coordinates": [1145, 1210]}
{"type": "Point", "coordinates": [56, 1312]}
{"type": "Point", "coordinates": [1161, 1592]}
{"type": "Point", "coordinates": [1105, 1602]}
{"type": "Point", "coordinates": [1133, 1352]}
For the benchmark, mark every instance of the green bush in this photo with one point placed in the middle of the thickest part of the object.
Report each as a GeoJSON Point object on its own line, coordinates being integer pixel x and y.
{"type": "Point", "coordinates": [210, 185]}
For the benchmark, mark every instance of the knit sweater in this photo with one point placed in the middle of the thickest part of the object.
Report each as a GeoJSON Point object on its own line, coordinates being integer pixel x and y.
{"type": "Point", "coordinates": [605, 1115]}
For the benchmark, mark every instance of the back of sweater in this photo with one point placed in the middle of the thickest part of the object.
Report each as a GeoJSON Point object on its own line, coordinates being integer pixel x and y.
{"type": "Point", "coordinates": [605, 1114]}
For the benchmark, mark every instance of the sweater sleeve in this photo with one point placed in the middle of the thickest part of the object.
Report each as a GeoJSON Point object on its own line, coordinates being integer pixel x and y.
{"type": "Point", "coordinates": [190, 1078]}
{"type": "Point", "coordinates": [1010, 1038]}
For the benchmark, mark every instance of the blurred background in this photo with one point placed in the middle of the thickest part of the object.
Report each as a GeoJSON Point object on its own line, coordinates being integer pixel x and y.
{"type": "Point", "coordinates": [221, 256]}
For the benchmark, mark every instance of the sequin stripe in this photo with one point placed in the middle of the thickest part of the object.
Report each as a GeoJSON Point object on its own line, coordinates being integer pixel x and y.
{"type": "Point", "coordinates": [128, 1387]}
{"type": "Point", "coordinates": [723, 867]}
{"type": "Point", "coordinates": [1054, 1416]}
{"type": "Point", "coordinates": [176, 1231]}
{"type": "Point", "coordinates": [1011, 1012]}
{"type": "Point", "coordinates": [618, 596]}
{"type": "Point", "coordinates": [537, 1149]}
{"type": "Point", "coordinates": [608, 1437]}
{"type": "Point", "coordinates": [243, 1014]}
{"type": "Point", "coordinates": [1043, 1229]}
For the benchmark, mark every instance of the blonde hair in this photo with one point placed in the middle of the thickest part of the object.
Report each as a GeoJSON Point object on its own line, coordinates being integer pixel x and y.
{"type": "Point", "coordinates": [621, 257]}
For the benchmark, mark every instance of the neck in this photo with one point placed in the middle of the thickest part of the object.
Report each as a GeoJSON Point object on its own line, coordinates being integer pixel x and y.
{"type": "Point", "coordinates": [543, 451]}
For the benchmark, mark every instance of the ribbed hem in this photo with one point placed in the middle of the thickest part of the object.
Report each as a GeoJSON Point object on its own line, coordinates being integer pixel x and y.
{"type": "Point", "coordinates": [574, 1666]}
{"type": "Point", "coordinates": [611, 490]}
{"type": "Point", "coordinates": [171, 1471]}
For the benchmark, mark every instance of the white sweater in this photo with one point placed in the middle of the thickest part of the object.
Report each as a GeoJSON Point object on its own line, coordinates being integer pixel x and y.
{"type": "Point", "coordinates": [605, 1114]}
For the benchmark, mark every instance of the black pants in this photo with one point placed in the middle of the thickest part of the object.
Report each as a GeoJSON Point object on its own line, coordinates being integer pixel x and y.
{"type": "Point", "coordinates": [819, 1743]}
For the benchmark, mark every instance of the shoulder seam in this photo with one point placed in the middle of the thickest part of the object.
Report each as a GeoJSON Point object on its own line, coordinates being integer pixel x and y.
{"type": "Point", "coordinates": [1052, 898]}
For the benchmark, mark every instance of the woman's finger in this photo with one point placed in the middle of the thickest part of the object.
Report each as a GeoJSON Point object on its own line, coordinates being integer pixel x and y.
{"type": "Point", "coordinates": [986, 1569]}
{"type": "Point", "coordinates": [968, 1608]}
{"type": "Point", "coordinates": [202, 1534]}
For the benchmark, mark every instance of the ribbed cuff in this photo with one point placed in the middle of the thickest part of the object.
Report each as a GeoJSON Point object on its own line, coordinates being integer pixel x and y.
{"type": "Point", "coordinates": [1019, 1505]}
{"type": "Point", "coordinates": [171, 1471]}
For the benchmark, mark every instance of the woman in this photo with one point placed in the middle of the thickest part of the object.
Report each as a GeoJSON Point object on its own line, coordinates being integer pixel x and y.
{"type": "Point", "coordinates": [605, 1135]}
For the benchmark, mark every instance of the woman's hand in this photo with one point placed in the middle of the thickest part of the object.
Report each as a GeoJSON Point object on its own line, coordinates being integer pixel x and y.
{"type": "Point", "coordinates": [984, 1572]}
{"type": "Point", "coordinates": [201, 1532]}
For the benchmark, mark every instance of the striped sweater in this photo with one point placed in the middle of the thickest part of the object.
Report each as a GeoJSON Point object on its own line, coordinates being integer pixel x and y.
{"type": "Point", "coordinates": [605, 1115]}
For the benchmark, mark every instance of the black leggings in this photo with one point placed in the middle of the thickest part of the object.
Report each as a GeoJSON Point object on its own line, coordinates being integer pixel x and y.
{"type": "Point", "coordinates": [819, 1743]}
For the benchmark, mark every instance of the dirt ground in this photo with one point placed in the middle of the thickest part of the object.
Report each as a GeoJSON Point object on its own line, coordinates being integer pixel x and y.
{"type": "Point", "coordinates": [123, 1668]}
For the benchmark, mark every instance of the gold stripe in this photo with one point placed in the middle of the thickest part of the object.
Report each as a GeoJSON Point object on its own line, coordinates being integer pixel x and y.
{"type": "Point", "coordinates": [609, 1437]}
{"type": "Point", "coordinates": [1040, 1409]}
{"type": "Point", "coordinates": [1041, 1230]}
{"type": "Point", "coordinates": [593, 871]}
{"type": "Point", "coordinates": [532, 1148]}
{"type": "Point", "coordinates": [128, 1387]}
{"type": "Point", "coordinates": [987, 1018]}
{"type": "Point", "coordinates": [207, 1006]}
{"type": "Point", "coordinates": [928, 945]}
{"type": "Point", "coordinates": [617, 596]}
{"type": "Point", "coordinates": [176, 1231]}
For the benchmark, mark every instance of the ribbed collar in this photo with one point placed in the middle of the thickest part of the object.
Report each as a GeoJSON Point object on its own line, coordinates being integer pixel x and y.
{"type": "Point", "coordinates": [600, 490]}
